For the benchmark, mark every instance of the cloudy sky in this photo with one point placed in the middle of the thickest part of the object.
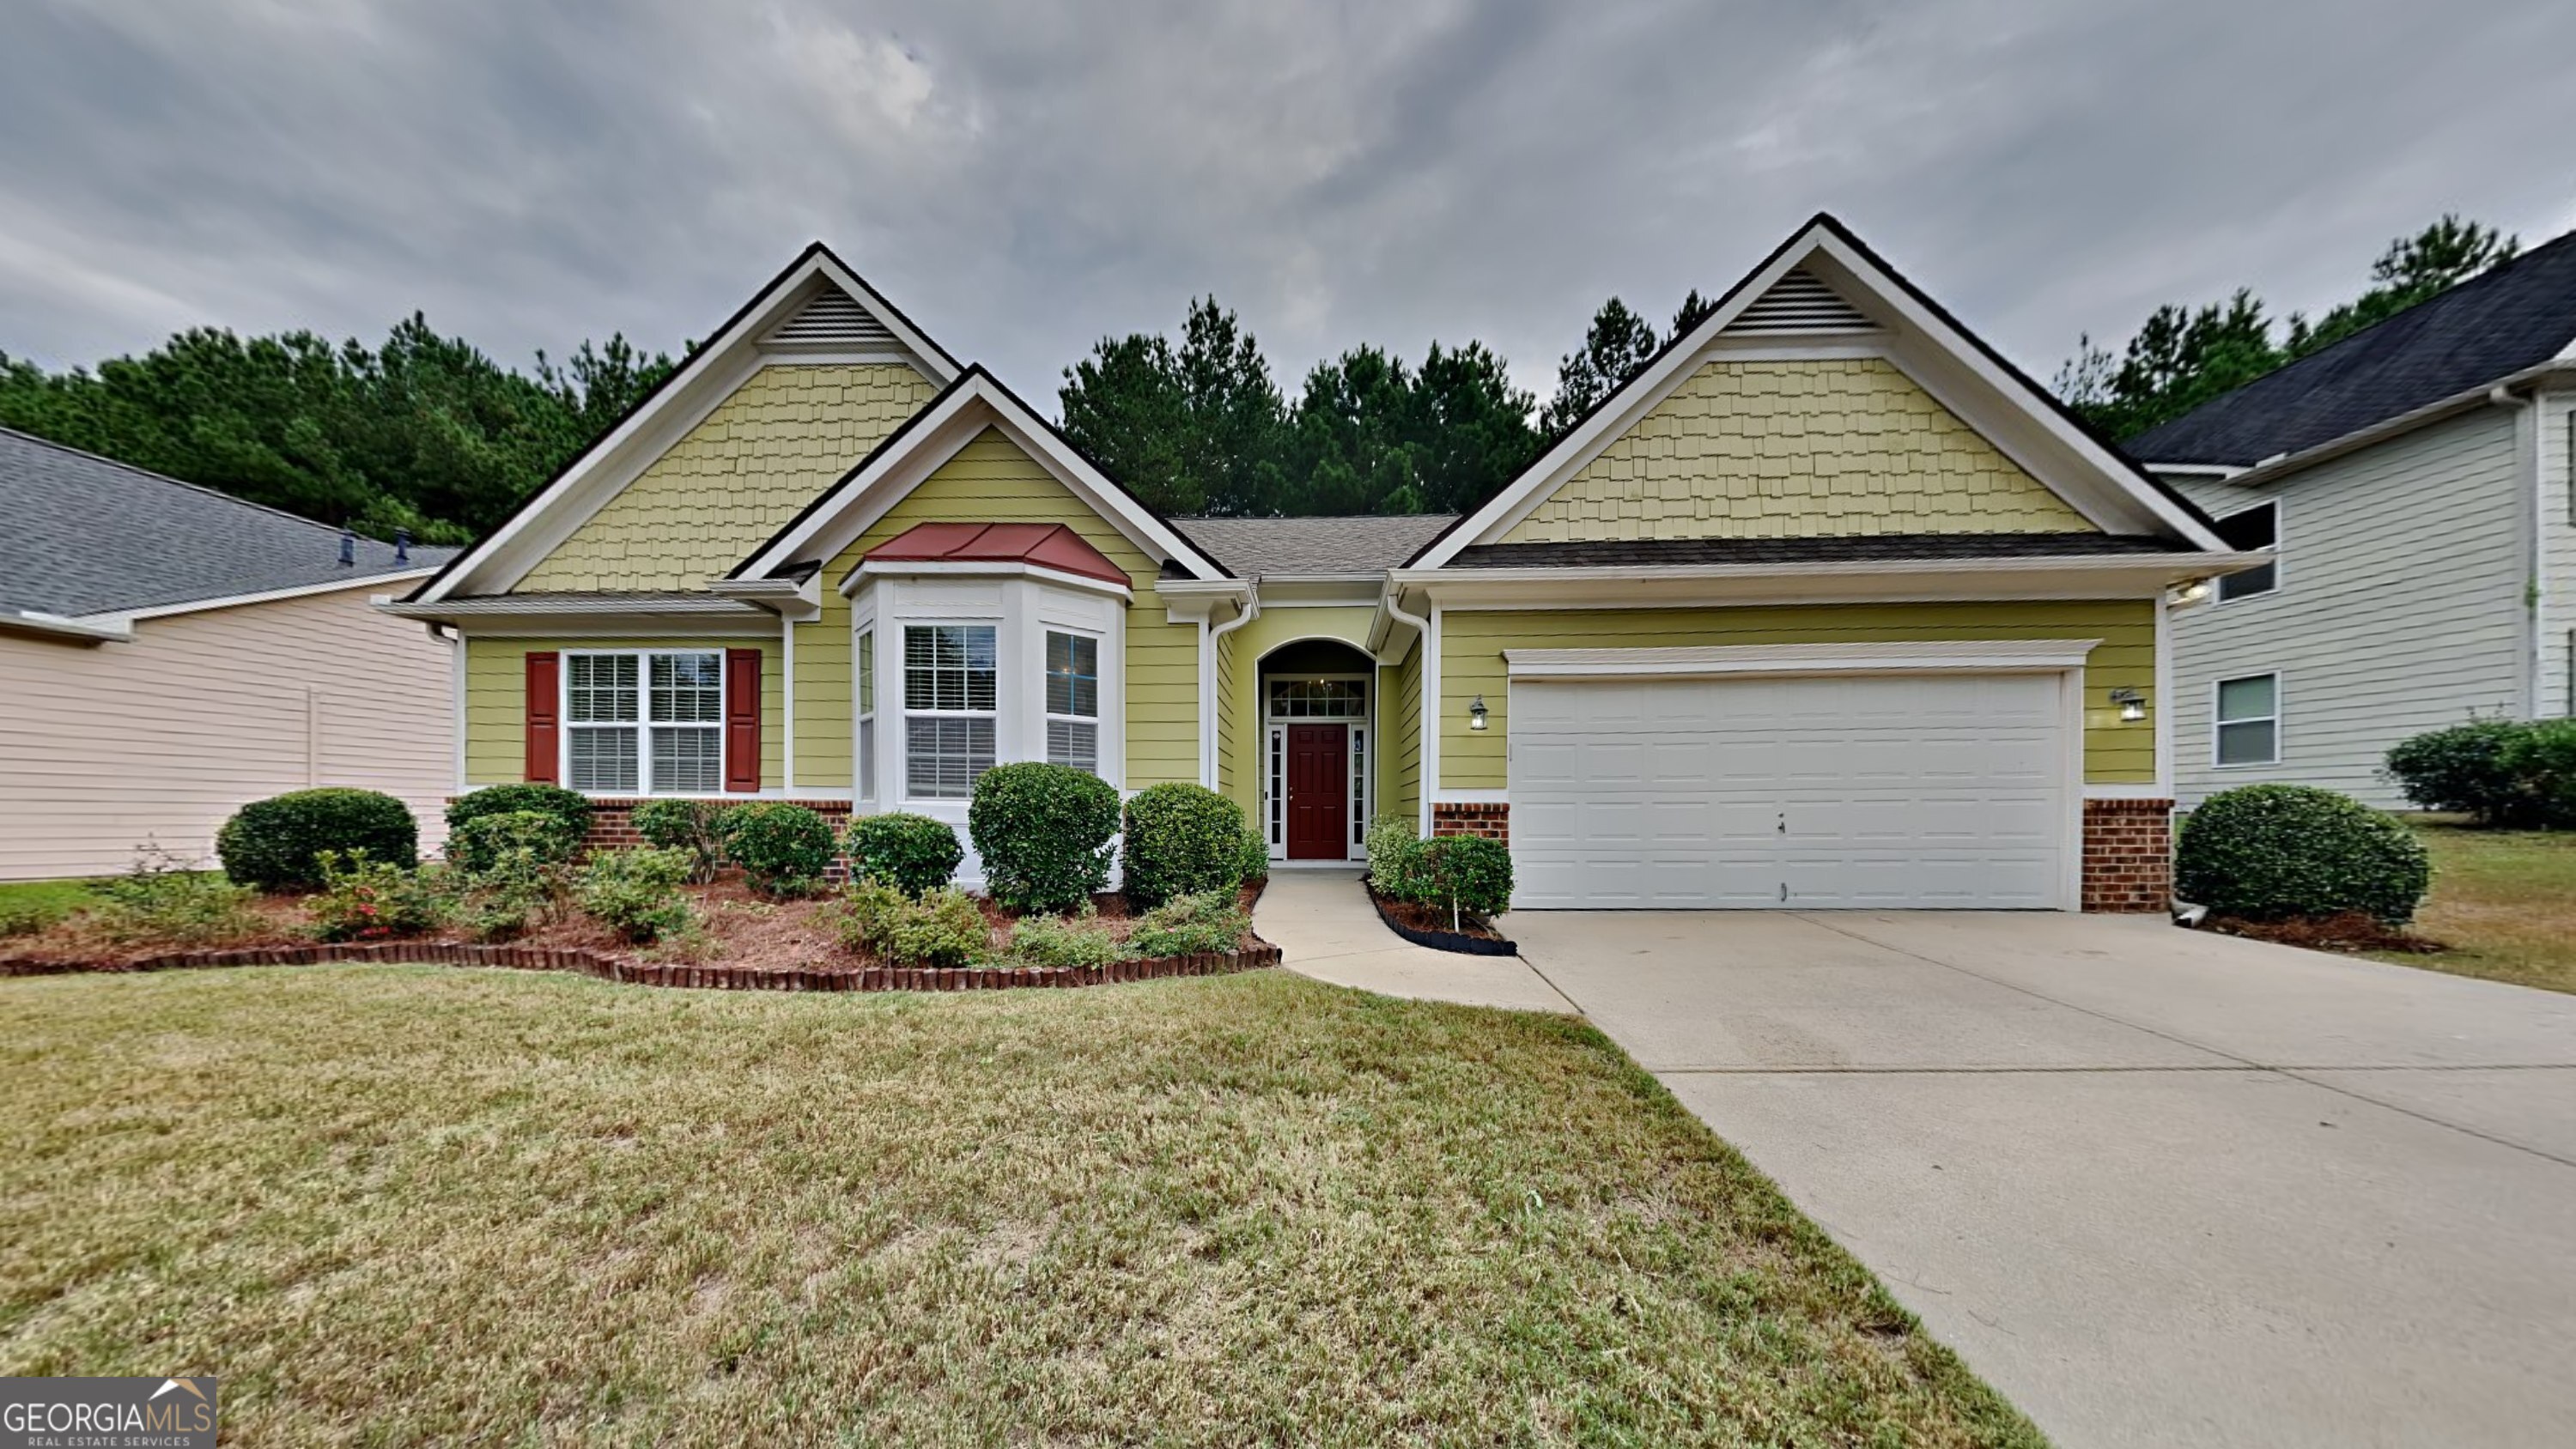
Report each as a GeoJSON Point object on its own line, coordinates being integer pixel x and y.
{"type": "Point", "coordinates": [1023, 178]}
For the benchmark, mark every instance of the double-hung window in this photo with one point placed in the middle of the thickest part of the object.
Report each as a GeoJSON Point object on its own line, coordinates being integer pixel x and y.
{"type": "Point", "coordinates": [2253, 530]}
{"type": "Point", "coordinates": [2249, 720]}
{"type": "Point", "coordinates": [866, 684]}
{"type": "Point", "coordinates": [948, 708]}
{"type": "Point", "coordinates": [649, 722]}
{"type": "Point", "coordinates": [1073, 700]}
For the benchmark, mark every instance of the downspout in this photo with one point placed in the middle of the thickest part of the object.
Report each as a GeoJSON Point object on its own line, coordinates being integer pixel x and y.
{"type": "Point", "coordinates": [1424, 755]}
{"type": "Point", "coordinates": [1209, 743]}
{"type": "Point", "coordinates": [2526, 410]}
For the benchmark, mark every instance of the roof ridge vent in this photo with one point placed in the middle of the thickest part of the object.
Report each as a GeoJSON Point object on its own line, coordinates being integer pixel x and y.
{"type": "Point", "coordinates": [1800, 301]}
{"type": "Point", "coordinates": [833, 321]}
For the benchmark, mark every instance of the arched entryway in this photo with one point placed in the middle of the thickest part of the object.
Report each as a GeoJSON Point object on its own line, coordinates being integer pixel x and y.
{"type": "Point", "coordinates": [1318, 709]}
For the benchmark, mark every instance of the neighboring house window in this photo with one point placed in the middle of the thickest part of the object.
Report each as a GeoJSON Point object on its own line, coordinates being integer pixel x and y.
{"type": "Point", "coordinates": [948, 706]}
{"type": "Point", "coordinates": [867, 686]}
{"type": "Point", "coordinates": [2249, 720]}
{"type": "Point", "coordinates": [645, 723]}
{"type": "Point", "coordinates": [1073, 701]}
{"type": "Point", "coordinates": [2255, 530]}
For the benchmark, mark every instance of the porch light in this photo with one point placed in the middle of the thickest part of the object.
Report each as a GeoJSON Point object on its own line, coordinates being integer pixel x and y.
{"type": "Point", "coordinates": [1476, 714]}
{"type": "Point", "coordinates": [2133, 705]}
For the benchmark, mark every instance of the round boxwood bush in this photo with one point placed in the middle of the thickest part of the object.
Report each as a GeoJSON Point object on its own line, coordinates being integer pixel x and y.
{"type": "Point", "coordinates": [912, 853]}
{"type": "Point", "coordinates": [569, 806]}
{"type": "Point", "coordinates": [783, 849]}
{"type": "Point", "coordinates": [1044, 833]}
{"type": "Point", "coordinates": [273, 844]}
{"type": "Point", "coordinates": [485, 841]}
{"type": "Point", "coordinates": [1181, 840]}
{"type": "Point", "coordinates": [1465, 873]}
{"type": "Point", "coordinates": [2289, 852]}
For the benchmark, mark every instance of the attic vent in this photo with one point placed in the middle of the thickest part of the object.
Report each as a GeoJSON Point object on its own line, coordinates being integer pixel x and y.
{"type": "Point", "coordinates": [1800, 302]}
{"type": "Point", "coordinates": [833, 319]}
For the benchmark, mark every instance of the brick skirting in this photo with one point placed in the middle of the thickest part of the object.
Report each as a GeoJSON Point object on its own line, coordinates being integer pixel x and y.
{"type": "Point", "coordinates": [2128, 855]}
{"type": "Point", "coordinates": [612, 822]}
{"type": "Point", "coordinates": [1494, 822]}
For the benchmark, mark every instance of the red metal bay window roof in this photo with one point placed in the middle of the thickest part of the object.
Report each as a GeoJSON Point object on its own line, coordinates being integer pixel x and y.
{"type": "Point", "coordinates": [1039, 545]}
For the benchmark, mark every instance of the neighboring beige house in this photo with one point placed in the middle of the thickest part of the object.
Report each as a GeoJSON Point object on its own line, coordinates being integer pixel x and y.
{"type": "Point", "coordinates": [168, 653]}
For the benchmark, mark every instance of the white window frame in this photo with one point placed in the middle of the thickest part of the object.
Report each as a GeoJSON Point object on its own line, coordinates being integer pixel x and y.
{"type": "Point", "coordinates": [642, 724]}
{"type": "Point", "coordinates": [992, 716]}
{"type": "Point", "coordinates": [2273, 505]}
{"type": "Point", "coordinates": [1049, 719]}
{"type": "Point", "coordinates": [869, 740]}
{"type": "Point", "coordinates": [2219, 722]}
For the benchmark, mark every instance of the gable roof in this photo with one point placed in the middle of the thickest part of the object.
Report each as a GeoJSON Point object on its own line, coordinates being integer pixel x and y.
{"type": "Point", "coordinates": [975, 401]}
{"type": "Point", "coordinates": [2059, 449]}
{"type": "Point", "coordinates": [88, 535]}
{"type": "Point", "coordinates": [1346, 544]}
{"type": "Point", "coordinates": [815, 307]}
{"type": "Point", "coordinates": [2489, 328]}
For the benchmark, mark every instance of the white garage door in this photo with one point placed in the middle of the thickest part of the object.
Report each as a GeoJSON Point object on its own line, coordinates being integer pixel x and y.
{"type": "Point", "coordinates": [1876, 791]}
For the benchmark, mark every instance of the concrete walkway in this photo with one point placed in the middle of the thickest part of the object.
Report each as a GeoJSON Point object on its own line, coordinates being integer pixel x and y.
{"type": "Point", "coordinates": [1324, 927]}
{"type": "Point", "coordinates": [2159, 1187]}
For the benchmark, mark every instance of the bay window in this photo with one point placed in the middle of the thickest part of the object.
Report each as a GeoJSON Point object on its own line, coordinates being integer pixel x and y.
{"type": "Point", "coordinates": [1073, 701]}
{"type": "Point", "coordinates": [866, 684]}
{"type": "Point", "coordinates": [949, 707]}
{"type": "Point", "coordinates": [644, 722]}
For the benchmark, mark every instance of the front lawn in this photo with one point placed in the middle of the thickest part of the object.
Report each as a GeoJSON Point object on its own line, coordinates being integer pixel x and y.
{"type": "Point", "coordinates": [2504, 902]}
{"type": "Point", "coordinates": [412, 1204]}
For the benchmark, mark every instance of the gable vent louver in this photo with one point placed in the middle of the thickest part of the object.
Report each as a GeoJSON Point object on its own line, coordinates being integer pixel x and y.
{"type": "Point", "coordinates": [1800, 302]}
{"type": "Point", "coordinates": [835, 320]}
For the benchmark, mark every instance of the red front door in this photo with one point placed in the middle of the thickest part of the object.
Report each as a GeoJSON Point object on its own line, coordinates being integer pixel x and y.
{"type": "Point", "coordinates": [1319, 792]}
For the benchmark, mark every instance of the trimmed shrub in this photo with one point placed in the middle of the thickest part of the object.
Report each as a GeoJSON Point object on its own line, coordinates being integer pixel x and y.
{"type": "Point", "coordinates": [783, 849]}
{"type": "Point", "coordinates": [569, 806]}
{"type": "Point", "coordinates": [375, 900]}
{"type": "Point", "coordinates": [912, 853]}
{"type": "Point", "coordinates": [484, 842]}
{"type": "Point", "coordinates": [277, 843]}
{"type": "Point", "coordinates": [2466, 769]}
{"type": "Point", "coordinates": [2542, 761]}
{"type": "Point", "coordinates": [1065, 941]}
{"type": "Point", "coordinates": [1181, 840]}
{"type": "Point", "coordinates": [1466, 873]}
{"type": "Point", "coordinates": [1190, 925]}
{"type": "Point", "coordinates": [636, 893]}
{"type": "Point", "coordinates": [28, 918]}
{"type": "Point", "coordinates": [161, 902]}
{"type": "Point", "coordinates": [1044, 832]}
{"type": "Point", "coordinates": [1395, 859]}
{"type": "Point", "coordinates": [2295, 852]}
{"type": "Point", "coordinates": [942, 928]}
{"type": "Point", "coordinates": [696, 826]}
{"type": "Point", "coordinates": [1255, 856]}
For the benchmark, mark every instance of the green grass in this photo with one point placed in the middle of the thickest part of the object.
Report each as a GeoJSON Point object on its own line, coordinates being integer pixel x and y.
{"type": "Point", "coordinates": [65, 895]}
{"type": "Point", "coordinates": [412, 1204]}
{"type": "Point", "coordinates": [2504, 901]}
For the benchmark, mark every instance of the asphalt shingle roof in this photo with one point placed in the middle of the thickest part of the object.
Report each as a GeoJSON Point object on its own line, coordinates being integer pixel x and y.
{"type": "Point", "coordinates": [81, 534]}
{"type": "Point", "coordinates": [1362, 544]}
{"type": "Point", "coordinates": [2476, 334]}
{"type": "Point", "coordinates": [1648, 552]}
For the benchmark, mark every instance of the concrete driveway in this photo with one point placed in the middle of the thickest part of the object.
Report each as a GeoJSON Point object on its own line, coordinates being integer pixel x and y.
{"type": "Point", "coordinates": [2157, 1186]}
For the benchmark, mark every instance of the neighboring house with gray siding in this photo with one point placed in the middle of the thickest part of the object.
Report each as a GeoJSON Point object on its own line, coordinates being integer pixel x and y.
{"type": "Point", "coordinates": [2413, 482]}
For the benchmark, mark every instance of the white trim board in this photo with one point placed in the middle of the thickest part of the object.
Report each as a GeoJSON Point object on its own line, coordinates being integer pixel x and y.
{"type": "Point", "coordinates": [1979, 656]}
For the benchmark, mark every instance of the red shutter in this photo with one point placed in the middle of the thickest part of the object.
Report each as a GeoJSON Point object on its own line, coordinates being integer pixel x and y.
{"type": "Point", "coordinates": [742, 721]}
{"type": "Point", "coordinates": [545, 709]}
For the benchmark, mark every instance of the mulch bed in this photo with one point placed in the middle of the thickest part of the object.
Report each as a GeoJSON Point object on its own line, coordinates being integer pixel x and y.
{"type": "Point", "coordinates": [2352, 932]}
{"type": "Point", "coordinates": [1429, 926]}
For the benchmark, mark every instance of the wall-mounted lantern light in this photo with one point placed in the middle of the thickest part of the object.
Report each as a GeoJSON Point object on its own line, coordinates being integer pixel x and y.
{"type": "Point", "coordinates": [1476, 714]}
{"type": "Point", "coordinates": [2133, 705]}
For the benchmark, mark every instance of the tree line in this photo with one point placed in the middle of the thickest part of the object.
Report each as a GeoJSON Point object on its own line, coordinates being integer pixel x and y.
{"type": "Point", "coordinates": [428, 433]}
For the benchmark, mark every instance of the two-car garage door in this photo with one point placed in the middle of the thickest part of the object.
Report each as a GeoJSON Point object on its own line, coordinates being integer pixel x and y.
{"type": "Point", "coordinates": [1867, 791]}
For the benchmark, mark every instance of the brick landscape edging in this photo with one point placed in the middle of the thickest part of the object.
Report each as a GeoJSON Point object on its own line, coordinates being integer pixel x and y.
{"type": "Point", "coordinates": [672, 973]}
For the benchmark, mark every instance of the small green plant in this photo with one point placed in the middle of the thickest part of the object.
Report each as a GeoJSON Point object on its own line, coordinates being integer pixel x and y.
{"type": "Point", "coordinates": [276, 844]}
{"type": "Point", "coordinates": [512, 872]}
{"type": "Point", "coordinates": [1189, 926]}
{"type": "Point", "coordinates": [1180, 840]}
{"type": "Point", "coordinates": [1466, 873]}
{"type": "Point", "coordinates": [783, 849]}
{"type": "Point", "coordinates": [1044, 833]}
{"type": "Point", "coordinates": [569, 806]}
{"type": "Point", "coordinates": [696, 826]}
{"type": "Point", "coordinates": [912, 853]}
{"type": "Point", "coordinates": [363, 899]}
{"type": "Point", "coordinates": [2542, 761]}
{"type": "Point", "coordinates": [942, 928]}
{"type": "Point", "coordinates": [28, 918]}
{"type": "Point", "coordinates": [1254, 854]}
{"type": "Point", "coordinates": [163, 901]}
{"type": "Point", "coordinates": [483, 842]}
{"type": "Point", "coordinates": [1395, 859]}
{"type": "Point", "coordinates": [2295, 852]}
{"type": "Point", "coordinates": [636, 893]}
{"type": "Point", "coordinates": [1084, 940]}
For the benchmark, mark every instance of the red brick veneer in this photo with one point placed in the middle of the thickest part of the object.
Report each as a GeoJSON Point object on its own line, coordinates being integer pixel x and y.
{"type": "Point", "coordinates": [1494, 822]}
{"type": "Point", "coordinates": [2128, 855]}
{"type": "Point", "coordinates": [612, 822]}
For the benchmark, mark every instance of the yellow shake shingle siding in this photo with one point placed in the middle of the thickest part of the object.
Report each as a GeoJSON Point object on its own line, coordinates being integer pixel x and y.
{"type": "Point", "coordinates": [991, 481]}
{"type": "Point", "coordinates": [1472, 644]}
{"type": "Point", "coordinates": [1786, 449]}
{"type": "Point", "coordinates": [783, 437]}
{"type": "Point", "coordinates": [496, 698]}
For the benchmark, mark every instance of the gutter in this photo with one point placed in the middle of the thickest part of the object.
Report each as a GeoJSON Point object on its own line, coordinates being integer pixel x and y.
{"type": "Point", "coordinates": [1209, 714]}
{"type": "Point", "coordinates": [58, 627]}
{"type": "Point", "coordinates": [2527, 412]}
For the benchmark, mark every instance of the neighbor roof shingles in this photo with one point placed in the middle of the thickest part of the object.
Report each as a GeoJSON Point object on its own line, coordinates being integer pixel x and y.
{"type": "Point", "coordinates": [1362, 544]}
{"type": "Point", "coordinates": [2476, 334]}
{"type": "Point", "coordinates": [88, 535]}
